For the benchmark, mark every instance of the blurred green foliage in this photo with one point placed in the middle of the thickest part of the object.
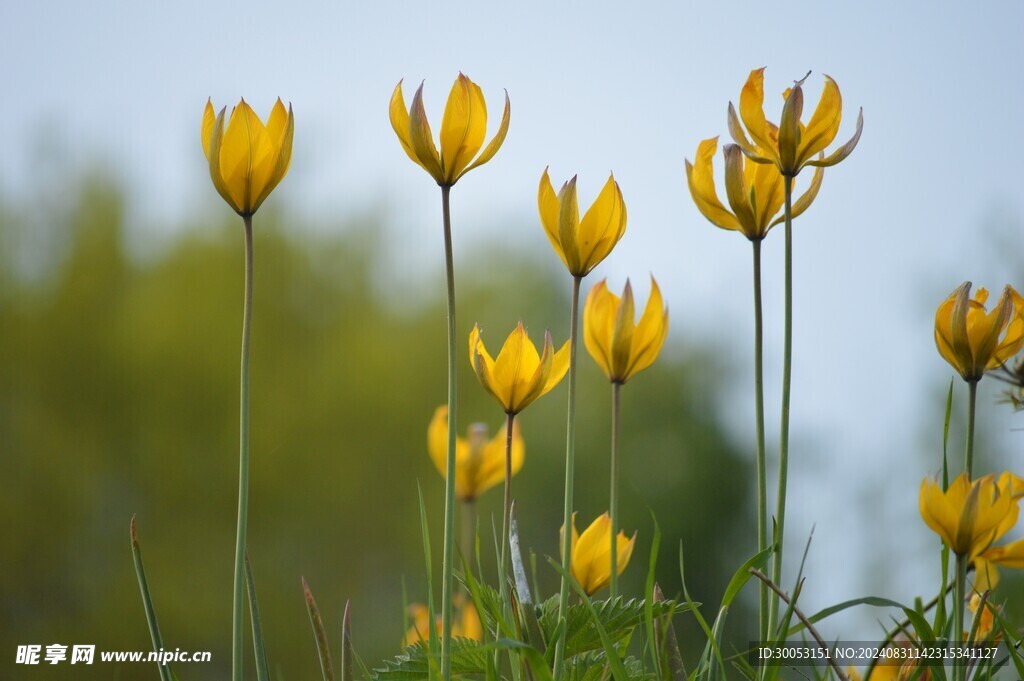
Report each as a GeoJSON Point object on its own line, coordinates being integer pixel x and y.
{"type": "Point", "coordinates": [119, 396]}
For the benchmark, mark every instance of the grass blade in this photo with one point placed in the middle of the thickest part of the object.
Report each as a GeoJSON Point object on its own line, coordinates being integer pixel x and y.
{"type": "Point", "coordinates": [323, 647]}
{"type": "Point", "coordinates": [347, 652]}
{"type": "Point", "coordinates": [147, 602]}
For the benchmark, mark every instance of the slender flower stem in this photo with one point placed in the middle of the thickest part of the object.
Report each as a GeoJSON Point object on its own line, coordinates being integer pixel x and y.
{"type": "Point", "coordinates": [972, 389]}
{"type": "Point", "coordinates": [959, 595]}
{"type": "Point", "coordinates": [614, 503]}
{"type": "Point", "coordinates": [469, 531]}
{"type": "Point", "coordinates": [787, 373]}
{"type": "Point", "coordinates": [762, 474]}
{"type": "Point", "coordinates": [243, 463]}
{"type": "Point", "coordinates": [509, 420]}
{"type": "Point", "coordinates": [448, 562]}
{"type": "Point", "coordinates": [570, 462]}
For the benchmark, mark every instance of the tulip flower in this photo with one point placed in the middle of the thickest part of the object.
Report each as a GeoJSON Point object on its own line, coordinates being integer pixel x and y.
{"type": "Point", "coordinates": [590, 562]}
{"type": "Point", "coordinates": [479, 462]}
{"type": "Point", "coordinates": [581, 244]}
{"type": "Point", "coordinates": [970, 515]}
{"type": "Point", "coordinates": [754, 191]}
{"type": "Point", "coordinates": [973, 340]}
{"type": "Point", "coordinates": [621, 346]}
{"type": "Point", "coordinates": [468, 627]}
{"type": "Point", "coordinates": [986, 619]}
{"type": "Point", "coordinates": [518, 375]}
{"type": "Point", "coordinates": [247, 160]}
{"type": "Point", "coordinates": [791, 145]}
{"type": "Point", "coordinates": [463, 130]}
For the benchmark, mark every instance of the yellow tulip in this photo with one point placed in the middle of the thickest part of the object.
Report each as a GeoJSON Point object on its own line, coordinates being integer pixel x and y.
{"type": "Point", "coordinates": [248, 159]}
{"type": "Point", "coordinates": [969, 516]}
{"type": "Point", "coordinates": [467, 627]}
{"type": "Point", "coordinates": [791, 145]}
{"type": "Point", "coordinates": [479, 462]}
{"type": "Point", "coordinates": [754, 191]}
{"type": "Point", "coordinates": [591, 557]}
{"type": "Point", "coordinates": [463, 129]}
{"type": "Point", "coordinates": [974, 341]}
{"type": "Point", "coordinates": [581, 244]}
{"type": "Point", "coordinates": [619, 345]}
{"type": "Point", "coordinates": [519, 375]}
{"type": "Point", "coordinates": [986, 620]}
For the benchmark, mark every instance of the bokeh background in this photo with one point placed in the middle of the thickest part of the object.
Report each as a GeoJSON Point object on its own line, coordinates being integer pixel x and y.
{"type": "Point", "coordinates": [120, 301]}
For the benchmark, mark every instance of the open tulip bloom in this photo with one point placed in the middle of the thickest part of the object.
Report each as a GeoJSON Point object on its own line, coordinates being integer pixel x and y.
{"type": "Point", "coordinates": [621, 346]}
{"type": "Point", "coordinates": [591, 562]}
{"type": "Point", "coordinates": [974, 340]}
{"type": "Point", "coordinates": [581, 244]}
{"type": "Point", "coordinates": [519, 374]}
{"type": "Point", "coordinates": [463, 130]}
{"type": "Point", "coordinates": [479, 461]}
{"type": "Point", "coordinates": [791, 145]}
{"type": "Point", "coordinates": [247, 160]}
{"type": "Point", "coordinates": [754, 191]}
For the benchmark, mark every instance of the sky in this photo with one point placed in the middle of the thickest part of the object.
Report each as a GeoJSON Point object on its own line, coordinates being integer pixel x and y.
{"type": "Point", "coordinates": [599, 87]}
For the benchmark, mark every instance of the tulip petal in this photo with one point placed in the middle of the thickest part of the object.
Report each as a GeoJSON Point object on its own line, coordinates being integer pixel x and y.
{"type": "Point", "coordinates": [463, 127]}
{"type": "Point", "coordinates": [421, 139]}
{"type": "Point", "coordinates": [209, 119]}
{"type": "Point", "coordinates": [282, 157]}
{"type": "Point", "coordinates": [701, 181]}
{"type": "Point", "coordinates": [598, 325]}
{"type": "Point", "coordinates": [739, 137]}
{"type": "Point", "coordinates": [650, 333]}
{"type": "Point", "coordinates": [569, 226]}
{"type": "Point", "coordinates": [737, 193]}
{"type": "Point", "coordinates": [824, 124]}
{"type": "Point", "coordinates": [495, 144]}
{"type": "Point", "coordinates": [559, 366]}
{"type": "Point", "coordinates": [789, 128]}
{"type": "Point", "coordinates": [547, 204]}
{"type": "Point", "coordinates": [843, 151]}
{"type": "Point", "coordinates": [400, 123]}
{"type": "Point", "coordinates": [937, 512]}
{"type": "Point", "coordinates": [602, 225]}
{"type": "Point", "coordinates": [752, 112]}
{"type": "Point", "coordinates": [622, 334]}
{"type": "Point", "coordinates": [216, 147]}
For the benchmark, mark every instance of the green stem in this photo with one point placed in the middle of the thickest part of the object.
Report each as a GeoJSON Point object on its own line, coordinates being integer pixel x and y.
{"type": "Point", "coordinates": [787, 373]}
{"type": "Point", "coordinates": [762, 473]}
{"type": "Point", "coordinates": [570, 456]}
{"type": "Point", "coordinates": [448, 563]}
{"type": "Point", "coordinates": [614, 503]}
{"type": "Point", "coordinates": [469, 531]}
{"type": "Point", "coordinates": [243, 463]}
{"type": "Point", "coordinates": [972, 389]}
{"type": "Point", "coordinates": [959, 595]}
{"type": "Point", "coordinates": [509, 420]}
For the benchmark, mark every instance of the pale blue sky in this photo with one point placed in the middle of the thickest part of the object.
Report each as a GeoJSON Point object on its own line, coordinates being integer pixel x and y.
{"type": "Point", "coordinates": [597, 87]}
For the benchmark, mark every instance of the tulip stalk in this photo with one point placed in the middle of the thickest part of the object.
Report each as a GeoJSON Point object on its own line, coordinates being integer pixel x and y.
{"type": "Point", "coordinates": [447, 567]}
{"type": "Point", "coordinates": [972, 391]}
{"type": "Point", "coordinates": [613, 506]}
{"type": "Point", "coordinates": [509, 421]}
{"type": "Point", "coordinates": [570, 462]}
{"type": "Point", "coordinates": [243, 463]}
{"type": "Point", "coordinates": [762, 474]}
{"type": "Point", "coordinates": [787, 374]}
{"type": "Point", "coordinates": [959, 595]}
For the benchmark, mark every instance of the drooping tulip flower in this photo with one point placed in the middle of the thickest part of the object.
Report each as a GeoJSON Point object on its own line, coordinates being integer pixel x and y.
{"type": "Point", "coordinates": [463, 130]}
{"type": "Point", "coordinates": [791, 145]}
{"type": "Point", "coordinates": [754, 191]}
{"type": "Point", "coordinates": [479, 461]}
{"type": "Point", "coordinates": [973, 340]}
{"type": "Point", "coordinates": [621, 346]}
{"type": "Point", "coordinates": [247, 160]}
{"type": "Point", "coordinates": [591, 561]}
{"type": "Point", "coordinates": [581, 244]}
{"type": "Point", "coordinates": [518, 375]}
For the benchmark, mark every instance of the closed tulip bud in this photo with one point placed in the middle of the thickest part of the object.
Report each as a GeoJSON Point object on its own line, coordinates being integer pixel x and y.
{"type": "Point", "coordinates": [792, 145]}
{"type": "Point", "coordinates": [970, 515]}
{"type": "Point", "coordinates": [247, 160]}
{"type": "Point", "coordinates": [519, 375]}
{"type": "Point", "coordinates": [463, 130]}
{"type": "Point", "coordinates": [754, 191]}
{"type": "Point", "coordinates": [621, 346]}
{"type": "Point", "coordinates": [591, 557]}
{"type": "Point", "coordinates": [479, 460]}
{"type": "Point", "coordinates": [581, 244]}
{"type": "Point", "coordinates": [974, 341]}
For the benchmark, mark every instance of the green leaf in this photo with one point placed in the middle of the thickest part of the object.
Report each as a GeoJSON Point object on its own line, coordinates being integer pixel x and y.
{"type": "Point", "coordinates": [875, 601]}
{"type": "Point", "coordinates": [416, 662]}
{"type": "Point", "coordinates": [742, 575]}
{"type": "Point", "coordinates": [617, 617]}
{"type": "Point", "coordinates": [147, 602]}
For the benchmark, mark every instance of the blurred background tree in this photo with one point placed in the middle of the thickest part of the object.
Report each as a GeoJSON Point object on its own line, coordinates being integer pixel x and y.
{"type": "Point", "coordinates": [118, 396]}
